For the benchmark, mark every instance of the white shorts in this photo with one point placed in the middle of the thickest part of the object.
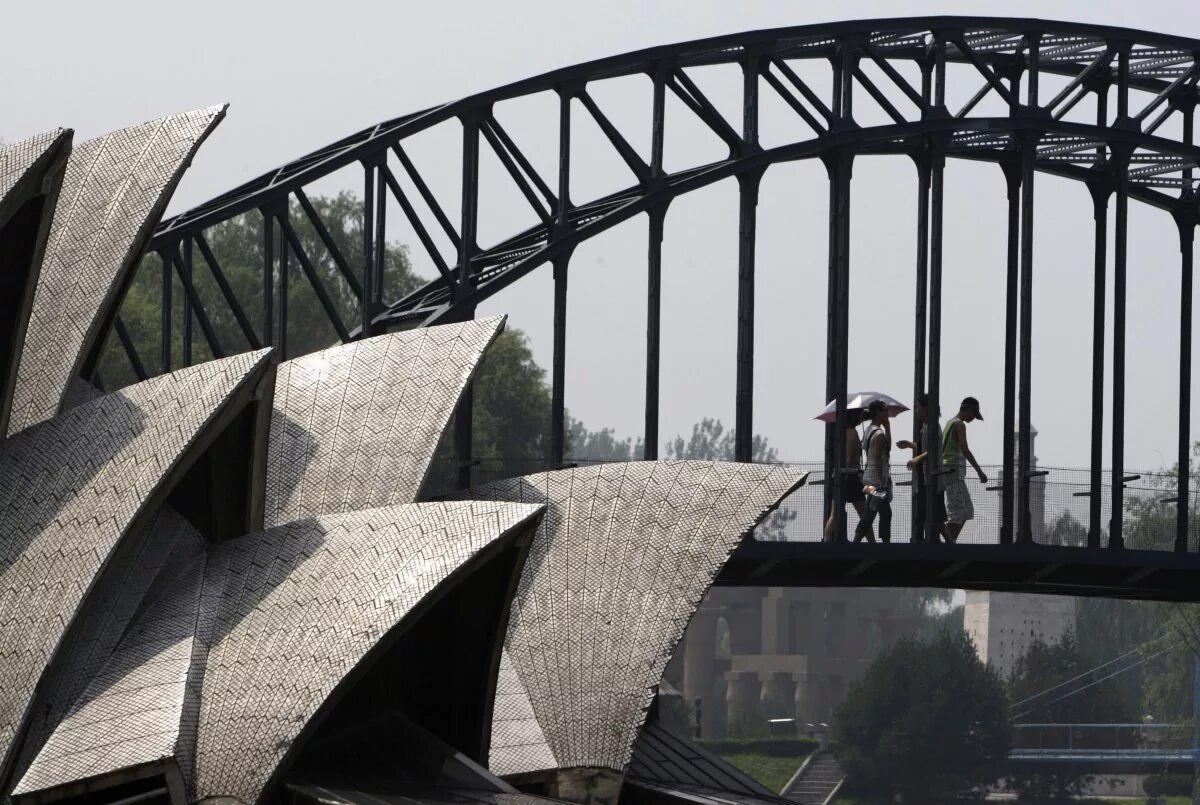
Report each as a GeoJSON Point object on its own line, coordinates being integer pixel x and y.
{"type": "Point", "coordinates": [959, 508]}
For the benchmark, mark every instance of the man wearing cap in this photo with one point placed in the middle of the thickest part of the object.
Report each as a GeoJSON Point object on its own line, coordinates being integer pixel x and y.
{"type": "Point", "coordinates": [955, 454]}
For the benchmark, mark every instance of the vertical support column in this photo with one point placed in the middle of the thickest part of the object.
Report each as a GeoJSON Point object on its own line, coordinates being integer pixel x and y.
{"type": "Point", "coordinates": [468, 224]}
{"type": "Point", "coordinates": [748, 184]}
{"type": "Point", "coordinates": [378, 265]}
{"type": "Point", "coordinates": [268, 278]}
{"type": "Point", "coordinates": [187, 302]}
{"type": "Point", "coordinates": [167, 312]}
{"type": "Point", "coordinates": [558, 372]}
{"type": "Point", "coordinates": [281, 211]}
{"type": "Point", "coordinates": [369, 184]}
{"type": "Point", "coordinates": [1034, 39]}
{"type": "Point", "coordinates": [1120, 163]}
{"type": "Point", "coordinates": [933, 434]}
{"type": "Point", "coordinates": [1012, 175]}
{"type": "Point", "coordinates": [1024, 425]}
{"type": "Point", "coordinates": [839, 164]}
{"type": "Point", "coordinates": [1101, 190]}
{"type": "Point", "coordinates": [1187, 242]}
{"type": "Point", "coordinates": [1187, 235]}
{"type": "Point", "coordinates": [831, 295]}
{"type": "Point", "coordinates": [1116, 536]}
{"type": "Point", "coordinates": [924, 169]}
{"type": "Point", "coordinates": [653, 329]}
{"type": "Point", "coordinates": [657, 216]}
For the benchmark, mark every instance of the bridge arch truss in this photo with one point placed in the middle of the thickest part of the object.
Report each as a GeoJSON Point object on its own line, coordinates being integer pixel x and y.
{"type": "Point", "coordinates": [887, 94]}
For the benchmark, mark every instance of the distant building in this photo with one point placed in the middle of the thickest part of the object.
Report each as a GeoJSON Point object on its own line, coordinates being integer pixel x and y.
{"type": "Point", "coordinates": [793, 652]}
{"type": "Point", "coordinates": [1004, 625]}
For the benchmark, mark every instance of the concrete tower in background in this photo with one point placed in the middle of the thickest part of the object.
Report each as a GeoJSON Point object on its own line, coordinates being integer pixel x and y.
{"type": "Point", "coordinates": [1004, 625]}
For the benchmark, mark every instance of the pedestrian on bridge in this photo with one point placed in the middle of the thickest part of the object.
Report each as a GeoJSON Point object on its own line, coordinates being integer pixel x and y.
{"type": "Point", "coordinates": [916, 465]}
{"type": "Point", "coordinates": [854, 484]}
{"type": "Point", "coordinates": [877, 476]}
{"type": "Point", "coordinates": [955, 455]}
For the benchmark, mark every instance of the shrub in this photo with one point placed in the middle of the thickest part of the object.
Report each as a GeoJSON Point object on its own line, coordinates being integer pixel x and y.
{"type": "Point", "coordinates": [772, 747]}
{"type": "Point", "coordinates": [1168, 785]}
{"type": "Point", "coordinates": [927, 720]}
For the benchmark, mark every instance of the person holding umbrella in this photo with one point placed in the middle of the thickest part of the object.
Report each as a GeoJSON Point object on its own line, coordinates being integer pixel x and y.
{"type": "Point", "coordinates": [854, 485]}
{"type": "Point", "coordinates": [856, 413]}
{"type": "Point", "coordinates": [877, 477]}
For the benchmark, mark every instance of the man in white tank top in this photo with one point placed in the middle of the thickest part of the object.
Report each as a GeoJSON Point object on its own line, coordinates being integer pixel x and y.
{"type": "Point", "coordinates": [877, 476]}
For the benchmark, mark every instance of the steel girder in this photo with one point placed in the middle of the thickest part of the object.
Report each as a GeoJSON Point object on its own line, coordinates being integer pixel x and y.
{"type": "Point", "coordinates": [996, 51]}
{"type": "Point", "coordinates": [888, 95]}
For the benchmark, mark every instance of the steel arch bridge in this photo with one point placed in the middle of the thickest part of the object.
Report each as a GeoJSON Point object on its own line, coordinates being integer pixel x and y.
{"type": "Point", "coordinates": [1112, 108]}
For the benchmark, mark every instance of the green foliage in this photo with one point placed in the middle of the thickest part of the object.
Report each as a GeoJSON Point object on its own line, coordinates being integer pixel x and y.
{"type": "Point", "coordinates": [1168, 685]}
{"type": "Point", "coordinates": [927, 720]}
{"type": "Point", "coordinates": [675, 715]}
{"type": "Point", "coordinates": [772, 772]}
{"type": "Point", "coordinates": [794, 748]}
{"type": "Point", "coordinates": [599, 445]}
{"type": "Point", "coordinates": [1066, 530]}
{"type": "Point", "coordinates": [1107, 628]}
{"type": "Point", "coordinates": [710, 442]}
{"type": "Point", "coordinates": [1170, 785]}
{"type": "Point", "coordinates": [1149, 522]}
{"type": "Point", "coordinates": [724, 650]}
{"type": "Point", "coordinates": [749, 726]}
{"type": "Point", "coordinates": [511, 423]}
{"type": "Point", "coordinates": [512, 408]}
{"type": "Point", "coordinates": [935, 622]}
{"type": "Point", "coordinates": [1043, 666]}
{"type": "Point", "coordinates": [237, 245]}
{"type": "Point", "coordinates": [772, 762]}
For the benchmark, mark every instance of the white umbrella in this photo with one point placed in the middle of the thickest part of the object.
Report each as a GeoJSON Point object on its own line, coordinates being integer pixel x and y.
{"type": "Point", "coordinates": [859, 401]}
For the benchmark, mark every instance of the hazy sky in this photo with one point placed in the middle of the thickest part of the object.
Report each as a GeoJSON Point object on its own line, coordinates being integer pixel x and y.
{"type": "Point", "coordinates": [300, 74]}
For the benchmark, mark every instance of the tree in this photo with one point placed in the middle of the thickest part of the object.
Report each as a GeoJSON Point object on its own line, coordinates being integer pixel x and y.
{"type": "Point", "coordinates": [599, 445]}
{"type": "Point", "coordinates": [1043, 666]}
{"type": "Point", "coordinates": [237, 245]}
{"type": "Point", "coordinates": [710, 442]}
{"type": "Point", "coordinates": [511, 421]}
{"type": "Point", "coordinates": [512, 402]}
{"type": "Point", "coordinates": [927, 720]}
{"type": "Point", "coordinates": [1066, 530]}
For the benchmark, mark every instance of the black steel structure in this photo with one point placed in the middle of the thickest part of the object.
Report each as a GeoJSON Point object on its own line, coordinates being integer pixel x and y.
{"type": "Point", "coordinates": [1027, 116]}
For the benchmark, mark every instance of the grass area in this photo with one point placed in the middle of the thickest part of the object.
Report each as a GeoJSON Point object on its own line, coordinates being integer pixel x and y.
{"type": "Point", "coordinates": [1131, 800]}
{"type": "Point", "coordinates": [773, 772]}
{"type": "Point", "coordinates": [771, 761]}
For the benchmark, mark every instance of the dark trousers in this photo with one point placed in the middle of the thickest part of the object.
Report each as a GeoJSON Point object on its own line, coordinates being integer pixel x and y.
{"type": "Point", "coordinates": [876, 506]}
{"type": "Point", "coordinates": [921, 504]}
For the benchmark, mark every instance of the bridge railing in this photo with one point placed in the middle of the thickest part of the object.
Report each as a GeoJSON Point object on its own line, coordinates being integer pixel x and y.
{"type": "Point", "coordinates": [1060, 503]}
{"type": "Point", "coordinates": [1104, 740]}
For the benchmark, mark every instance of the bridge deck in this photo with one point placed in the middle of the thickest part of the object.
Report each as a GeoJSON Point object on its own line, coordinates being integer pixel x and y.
{"type": "Point", "coordinates": [1029, 568]}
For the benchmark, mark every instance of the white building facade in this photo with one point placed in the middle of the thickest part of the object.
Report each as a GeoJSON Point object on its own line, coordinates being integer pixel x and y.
{"type": "Point", "coordinates": [1004, 625]}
